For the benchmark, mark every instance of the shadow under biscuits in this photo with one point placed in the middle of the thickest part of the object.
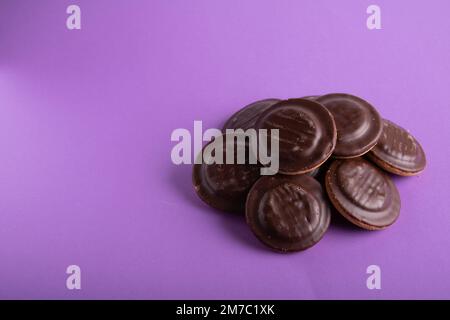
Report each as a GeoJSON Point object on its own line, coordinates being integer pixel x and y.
{"type": "Point", "coordinates": [236, 225]}
{"type": "Point", "coordinates": [233, 223]}
{"type": "Point", "coordinates": [340, 223]}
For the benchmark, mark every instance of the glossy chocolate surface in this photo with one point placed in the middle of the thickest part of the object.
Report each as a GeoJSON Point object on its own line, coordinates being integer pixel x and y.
{"type": "Point", "coordinates": [225, 186]}
{"type": "Point", "coordinates": [397, 151]}
{"type": "Point", "coordinates": [362, 193]}
{"type": "Point", "coordinates": [307, 134]}
{"type": "Point", "coordinates": [358, 124]}
{"type": "Point", "coordinates": [247, 116]}
{"type": "Point", "coordinates": [311, 97]}
{"type": "Point", "coordinates": [287, 213]}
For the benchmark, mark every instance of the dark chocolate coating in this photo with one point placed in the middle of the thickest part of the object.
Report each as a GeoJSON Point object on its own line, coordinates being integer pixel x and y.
{"type": "Point", "coordinates": [225, 186]}
{"type": "Point", "coordinates": [314, 172]}
{"type": "Point", "coordinates": [287, 213]}
{"type": "Point", "coordinates": [358, 124]}
{"type": "Point", "coordinates": [397, 151]}
{"type": "Point", "coordinates": [307, 134]}
{"type": "Point", "coordinates": [247, 116]}
{"type": "Point", "coordinates": [310, 97]}
{"type": "Point", "coordinates": [362, 193]}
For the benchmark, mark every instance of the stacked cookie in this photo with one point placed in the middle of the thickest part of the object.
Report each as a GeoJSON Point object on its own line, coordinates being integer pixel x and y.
{"type": "Point", "coordinates": [331, 152]}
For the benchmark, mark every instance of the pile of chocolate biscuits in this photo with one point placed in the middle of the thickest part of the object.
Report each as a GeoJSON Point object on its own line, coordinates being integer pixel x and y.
{"type": "Point", "coordinates": [338, 141]}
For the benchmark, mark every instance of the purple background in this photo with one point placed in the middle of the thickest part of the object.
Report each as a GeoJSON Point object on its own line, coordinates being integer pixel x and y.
{"type": "Point", "coordinates": [85, 123]}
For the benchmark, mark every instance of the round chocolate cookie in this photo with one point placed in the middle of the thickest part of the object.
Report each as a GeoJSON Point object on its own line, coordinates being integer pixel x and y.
{"type": "Point", "coordinates": [357, 121]}
{"type": "Point", "coordinates": [397, 151]}
{"type": "Point", "coordinates": [287, 213]}
{"type": "Point", "coordinates": [225, 186]}
{"type": "Point", "coordinates": [247, 116]}
{"type": "Point", "coordinates": [307, 134]}
{"type": "Point", "coordinates": [362, 193]}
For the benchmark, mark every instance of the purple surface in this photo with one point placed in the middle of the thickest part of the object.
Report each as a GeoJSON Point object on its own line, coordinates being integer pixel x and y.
{"type": "Point", "coordinates": [85, 123]}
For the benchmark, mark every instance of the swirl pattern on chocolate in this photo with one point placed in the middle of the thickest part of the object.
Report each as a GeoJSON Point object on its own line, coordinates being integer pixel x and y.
{"type": "Point", "coordinates": [358, 124]}
{"type": "Point", "coordinates": [287, 213]}
{"type": "Point", "coordinates": [397, 151]}
{"type": "Point", "coordinates": [307, 134]}
{"type": "Point", "coordinates": [363, 185]}
{"type": "Point", "coordinates": [362, 193]}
